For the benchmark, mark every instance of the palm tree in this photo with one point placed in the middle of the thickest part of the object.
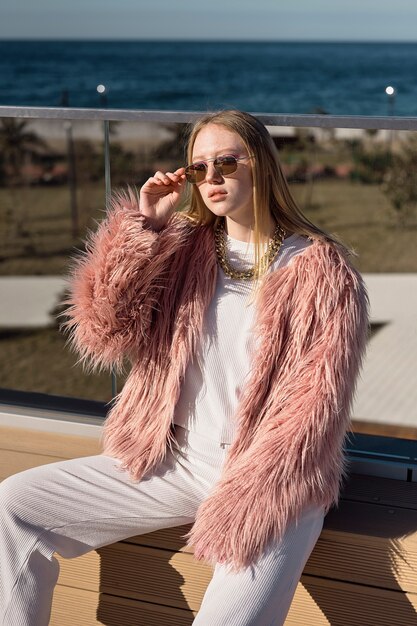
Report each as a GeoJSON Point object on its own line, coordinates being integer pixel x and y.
{"type": "Point", "coordinates": [18, 143]}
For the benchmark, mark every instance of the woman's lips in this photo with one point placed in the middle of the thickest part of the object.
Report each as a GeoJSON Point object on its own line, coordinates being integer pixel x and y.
{"type": "Point", "coordinates": [217, 195]}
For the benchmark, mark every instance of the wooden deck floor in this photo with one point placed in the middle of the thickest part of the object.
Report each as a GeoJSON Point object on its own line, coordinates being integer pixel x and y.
{"type": "Point", "coordinates": [362, 572]}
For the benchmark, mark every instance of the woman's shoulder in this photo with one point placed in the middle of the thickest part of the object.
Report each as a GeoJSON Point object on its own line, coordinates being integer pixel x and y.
{"type": "Point", "coordinates": [318, 259]}
{"type": "Point", "coordinates": [317, 249]}
{"type": "Point", "coordinates": [293, 245]}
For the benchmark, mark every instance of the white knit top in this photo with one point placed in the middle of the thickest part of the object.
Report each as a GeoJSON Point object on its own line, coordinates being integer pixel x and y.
{"type": "Point", "coordinates": [215, 377]}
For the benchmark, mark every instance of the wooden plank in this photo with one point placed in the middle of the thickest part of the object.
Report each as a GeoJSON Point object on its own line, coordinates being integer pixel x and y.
{"type": "Point", "coordinates": [322, 602]}
{"type": "Point", "coordinates": [317, 602]}
{"type": "Point", "coordinates": [12, 462]}
{"type": "Point", "coordinates": [369, 544]}
{"type": "Point", "coordinates": [21, 449]}
{"type": "Point", "coordinates": [68, 603]}
{"type": "Point", "coordinates": [387, 430]}
{"type": "Point", "coordinates": [82, 572]}
{"type": "Point", "coordinates": [140, 573]}
{"type": "Point", "coordinates": [48, 444]}
{"type": "Point", "coordinates": [166, 538]}
{"type": "Point", "coordinates": [368, 566]}
{"type": "Point", "coordinates": [120, 612]}
{"type": "Point", "coordinates": [77, 607]}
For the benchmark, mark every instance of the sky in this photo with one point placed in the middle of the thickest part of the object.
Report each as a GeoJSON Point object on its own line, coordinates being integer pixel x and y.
{"type": "Point", "coordinates": [275, 20]}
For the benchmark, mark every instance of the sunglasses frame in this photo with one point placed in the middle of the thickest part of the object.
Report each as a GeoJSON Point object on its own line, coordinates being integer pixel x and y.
{"type": "Point", "coordinates": [217, 167]}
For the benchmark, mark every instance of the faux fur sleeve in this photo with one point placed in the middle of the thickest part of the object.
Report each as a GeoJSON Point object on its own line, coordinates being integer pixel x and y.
{"type": "Point", "coordinates": [295, 453]}
{"type": "Point", "coordinates": [113, 286]}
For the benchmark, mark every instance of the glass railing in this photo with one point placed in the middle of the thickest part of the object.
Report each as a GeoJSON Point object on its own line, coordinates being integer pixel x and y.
{"type": "Point", "coordinates": [356, 177]}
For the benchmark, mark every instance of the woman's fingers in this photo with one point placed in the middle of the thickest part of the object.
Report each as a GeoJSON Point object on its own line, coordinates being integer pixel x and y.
{"type": "Point", "coordinates": [162, 177]}
{"type": "Point", "coordinates": [166, 179]}
{"type": "Point", "coordinates": [157, 180]}
{"type": "Point", "coordinates": [153, 181]}
{"type": "Point", "coordinates": [175, 176]}
{"type": "Point", "coordinates": [162, 192]}
{"type": "Point", "coordinates": [165, 182]}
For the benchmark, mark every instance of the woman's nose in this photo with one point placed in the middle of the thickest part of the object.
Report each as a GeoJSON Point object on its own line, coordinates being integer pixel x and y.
{"type": "Point", "coordinates": [212, 174]}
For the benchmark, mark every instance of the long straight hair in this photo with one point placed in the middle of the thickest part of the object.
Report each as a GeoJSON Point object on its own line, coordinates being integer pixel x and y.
{"type": "Point", "coordinates": [271, 194]}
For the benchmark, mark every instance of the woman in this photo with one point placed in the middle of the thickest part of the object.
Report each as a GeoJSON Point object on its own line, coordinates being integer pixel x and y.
{"type": "Point", "coordinates": [245, 326]}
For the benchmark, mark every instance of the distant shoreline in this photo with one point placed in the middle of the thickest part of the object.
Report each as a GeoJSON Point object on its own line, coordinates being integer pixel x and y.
{"type": "Point", "coordinates": [150, 40]}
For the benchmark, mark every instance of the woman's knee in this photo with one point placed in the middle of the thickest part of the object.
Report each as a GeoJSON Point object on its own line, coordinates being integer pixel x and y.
{"type": "Point", "coordinates": [18, 495]}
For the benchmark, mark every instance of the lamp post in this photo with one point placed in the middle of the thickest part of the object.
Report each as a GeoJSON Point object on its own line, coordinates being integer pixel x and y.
{"type": "Point", "coordinates": [101, 90]}
{"type": "Point", "coordinates": [390, 91]}
{"type": "Point", "coordinates": [72, 179]}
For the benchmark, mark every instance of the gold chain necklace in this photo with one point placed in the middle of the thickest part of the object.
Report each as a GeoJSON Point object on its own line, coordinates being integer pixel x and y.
{"type": "Point", "coordinates": [271, 252]}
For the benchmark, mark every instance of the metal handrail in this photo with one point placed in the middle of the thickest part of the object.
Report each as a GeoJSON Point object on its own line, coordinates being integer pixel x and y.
{"type": "Point", "coordinates": [270, 119]}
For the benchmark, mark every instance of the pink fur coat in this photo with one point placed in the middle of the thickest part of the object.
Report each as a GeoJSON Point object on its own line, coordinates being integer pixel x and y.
{"type": "Point", "coordinates": [141, 294]}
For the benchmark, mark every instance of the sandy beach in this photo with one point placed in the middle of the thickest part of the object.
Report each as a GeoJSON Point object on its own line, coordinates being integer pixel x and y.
{"type": "Point", "coordinates": [148, 134]}
{"type": "Point", "coordinates": [129, 134]}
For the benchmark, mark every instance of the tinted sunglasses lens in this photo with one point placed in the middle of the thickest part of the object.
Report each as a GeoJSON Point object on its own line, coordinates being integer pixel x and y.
{"type": "Point", "coordinates": [226, 165]}
{"type": "Point", "coordinates": [195, 173]}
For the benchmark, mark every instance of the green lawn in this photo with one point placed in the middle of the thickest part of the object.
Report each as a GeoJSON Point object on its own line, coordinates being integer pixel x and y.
{"type": "Point", "coordinates": [361, 217]}
{"type": "Point", "coordinates": [38, 360]}
{"type": "Point", "coordinates": [35, 227]}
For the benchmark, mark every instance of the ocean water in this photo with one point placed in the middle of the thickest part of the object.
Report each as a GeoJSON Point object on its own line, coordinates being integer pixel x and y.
{"type": "Point", "coordinates": [339, 78]}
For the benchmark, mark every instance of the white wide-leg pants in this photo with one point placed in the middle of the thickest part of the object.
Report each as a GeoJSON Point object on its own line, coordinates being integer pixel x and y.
{"type": "Point", "coordinates": [74, 506]}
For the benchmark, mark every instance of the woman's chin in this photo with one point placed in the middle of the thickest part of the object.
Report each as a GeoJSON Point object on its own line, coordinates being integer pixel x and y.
{"type": "Point", "coordinates": [219, 210]}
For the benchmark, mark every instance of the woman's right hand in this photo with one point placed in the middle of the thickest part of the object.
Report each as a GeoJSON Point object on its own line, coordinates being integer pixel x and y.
{"type": "Point", "coordinates": [161, 194]}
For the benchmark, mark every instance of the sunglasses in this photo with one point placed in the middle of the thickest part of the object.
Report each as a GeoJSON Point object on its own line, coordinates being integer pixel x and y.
{"type": "Point", "coordinates": [224, 165]}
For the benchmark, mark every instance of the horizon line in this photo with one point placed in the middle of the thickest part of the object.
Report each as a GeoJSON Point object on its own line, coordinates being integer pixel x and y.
{"type": "Point", "coordinates": [203, 40]}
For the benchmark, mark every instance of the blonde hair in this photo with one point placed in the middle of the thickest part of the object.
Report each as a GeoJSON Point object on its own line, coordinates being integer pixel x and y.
{"type": "Point", "coordinates": [271, 194]}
